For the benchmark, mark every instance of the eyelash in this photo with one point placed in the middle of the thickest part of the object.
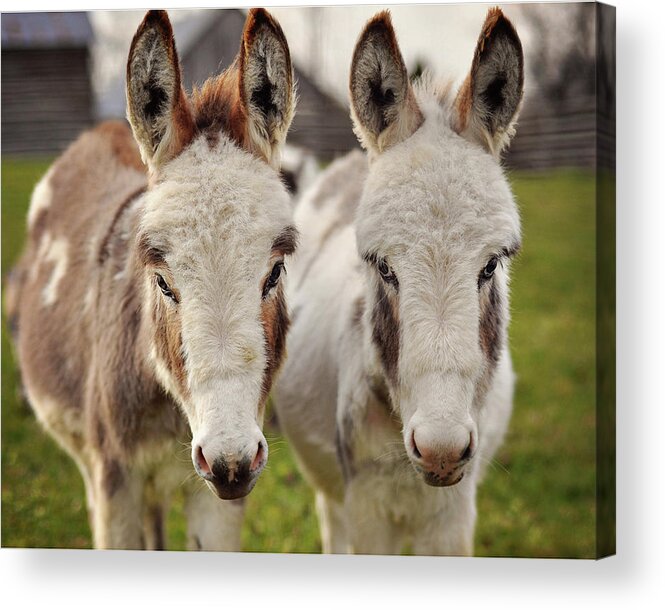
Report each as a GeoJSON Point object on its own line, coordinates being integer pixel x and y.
{"type": "Point", "coordinates": [164, 287]}
{"type": "Point", "coordinates": [387, 273]}
{"type": "Point", "coordinates": [274, 277]}
{"type": "Point", "coordinates": [487, 272]}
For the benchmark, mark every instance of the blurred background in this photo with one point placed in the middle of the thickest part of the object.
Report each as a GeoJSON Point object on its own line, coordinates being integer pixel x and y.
{"type": "Point", "coordinates": [62, 72]}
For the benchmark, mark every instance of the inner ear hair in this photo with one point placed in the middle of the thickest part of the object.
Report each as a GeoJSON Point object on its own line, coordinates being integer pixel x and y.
{"type": "Point", "coordinates": [383, 106]}
{"type": "Point", "coordinates": [157, 108]}
{"type": "Point", "coordinates": [488, 102]}
{"type": "Point", "coordinates": [267, 83]}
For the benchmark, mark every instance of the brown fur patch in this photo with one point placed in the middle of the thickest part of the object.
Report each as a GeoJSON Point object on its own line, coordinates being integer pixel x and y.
{"type": "Point", "coordinates": [218, 107]}
{"type": "Point", "coordinates": [122, 143]}
{"type": "Point", "coordinates": [490, 324]}
{"type": "Point", "coordinates": [344, 450]}
{"type": "Point", "coordinates": [385, 333]}
{"type": "Point", "coordinates": [148, 254]}
{"type": "Point", "coordinates": [113, 477]}
{"type": "Point", "coordinates": [168, 342]}
{"type": "Point", "coordinates": [275, 320]}
{"type": "Point", "coordinates": [464, 103]}
{"type": "Point", "coordinates": [185, 128]}
{"type": "Point", "coordinates": [286, 242]}
{"type": "Point", "coordinates": [221, 104]}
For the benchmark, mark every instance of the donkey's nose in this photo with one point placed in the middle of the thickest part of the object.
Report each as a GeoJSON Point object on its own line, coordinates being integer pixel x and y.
{"type": "Point", "coordinates": [441, 461]}
{"type": "Point", "coordinates": [200, 462]}
{"type": "Point", "coordinates": [231, 476]}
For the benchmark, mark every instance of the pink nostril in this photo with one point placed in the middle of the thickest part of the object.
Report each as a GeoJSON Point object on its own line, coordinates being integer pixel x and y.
{"type": "Point", "coordinates": [201, 461]}
{"type": "Point", "coordinates": [414, 447]}
{"type": "Point", "coordinates": [467, 454]}
{"type": "Point", "coordinates": [258, 458]}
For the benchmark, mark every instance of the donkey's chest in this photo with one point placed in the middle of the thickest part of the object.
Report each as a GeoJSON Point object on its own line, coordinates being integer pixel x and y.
{"type": "Point", "coordinates": [372, 433]}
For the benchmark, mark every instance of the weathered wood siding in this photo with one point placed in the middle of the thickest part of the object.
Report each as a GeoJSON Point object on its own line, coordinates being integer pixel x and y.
{"type": "Point", "coordinates": [572, 135]}
{"type": "Point", "coordinates": [321, 125]}
{"type": "Point", "coordinates": [46, 99]}
{"type": "Point", "coordinates": [214, 50]}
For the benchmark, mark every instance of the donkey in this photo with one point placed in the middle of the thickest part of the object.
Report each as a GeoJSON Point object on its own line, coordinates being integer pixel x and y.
{"type": "Point", "coordinates": [148, 304]}
{"type": "Point", "coordinates": [399, 384]}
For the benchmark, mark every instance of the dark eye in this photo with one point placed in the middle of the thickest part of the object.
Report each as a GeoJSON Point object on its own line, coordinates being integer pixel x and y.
{"type": "Point", "coordinates": [272, 280]}
{"type": "Point", "coordinates": [489, 269]}
{"type": "Point", "coordinates": [164, 287]}
{"type": "Point", "coordinates": [386, 272]}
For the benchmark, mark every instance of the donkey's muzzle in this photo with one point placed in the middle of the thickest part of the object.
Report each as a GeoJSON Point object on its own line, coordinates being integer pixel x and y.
{"type": "Point", "coordinates": [441, 464]}
{"type": "Point", "coordinates": [231, 478]}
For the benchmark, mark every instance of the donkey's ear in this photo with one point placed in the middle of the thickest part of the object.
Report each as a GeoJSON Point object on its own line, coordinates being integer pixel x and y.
{"type": "Point", "coordinates": [266, 84]}
{"type": "Point", "coordinates": [488, 101]}
{"type": "Point", "coordinates": [383, 105]}
{"type": "Point", "coordinates": [157, 107]}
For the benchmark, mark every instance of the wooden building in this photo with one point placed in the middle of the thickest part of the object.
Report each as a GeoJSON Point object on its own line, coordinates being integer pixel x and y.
{"type": "Point", "coordinates": [549, 136]}
{"type": "Point", "coordinates": [579, 132]}
{"type": "Point", "coordinates": [47, 94]}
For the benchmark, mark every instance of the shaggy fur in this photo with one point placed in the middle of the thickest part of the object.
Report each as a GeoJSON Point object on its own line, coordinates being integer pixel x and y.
{"type": "Point", "coordinates": [140, 307]}
{"type": "Point", "coordinates": [399, 379]}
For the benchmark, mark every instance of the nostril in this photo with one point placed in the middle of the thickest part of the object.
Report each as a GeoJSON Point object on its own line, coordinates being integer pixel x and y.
{"type": "Point", "coordinates": [414, 447]}
{"type": "Point", "coordinates": [201, 462]}
{"type": "Point", "coordinates": [258, 458]}
{"type": "Point", "coordinates": [468, 452]}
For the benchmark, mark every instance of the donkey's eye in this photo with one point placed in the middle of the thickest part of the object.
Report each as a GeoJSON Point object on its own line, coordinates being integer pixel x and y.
{"type": "Point", "coordinates": [489, 269]}
{"type": "Point", "coordinates": [386, 272]}
{"type": "Point", "coordinates": [273, 278]}
{"type": "Point", "coordinates": [164, 287]}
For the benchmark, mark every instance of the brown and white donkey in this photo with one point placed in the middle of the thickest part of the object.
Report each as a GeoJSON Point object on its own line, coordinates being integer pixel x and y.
{"type": "Point", "coordinates": [143, 296]}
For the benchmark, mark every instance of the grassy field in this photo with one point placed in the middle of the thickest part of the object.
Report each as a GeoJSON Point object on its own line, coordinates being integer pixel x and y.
{"type": "Point", "coordinates": [539, 499]}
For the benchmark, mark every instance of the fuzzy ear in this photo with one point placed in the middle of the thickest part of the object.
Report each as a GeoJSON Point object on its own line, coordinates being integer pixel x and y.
{"type": "Point", "coordinates": [488, 101]}
{"type": "Point", "coordinates": [266, 84]}
{"type": "Point", "coordinates": [157, 107]}
{"type": "Point", "coordinates": [383, 106]}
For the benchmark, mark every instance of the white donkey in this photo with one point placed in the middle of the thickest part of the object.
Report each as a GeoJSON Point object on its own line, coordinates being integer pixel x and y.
{"type": "Point", "coordinates": [148, 305]}
{"type": "Point", "coordinates": [398, 386]}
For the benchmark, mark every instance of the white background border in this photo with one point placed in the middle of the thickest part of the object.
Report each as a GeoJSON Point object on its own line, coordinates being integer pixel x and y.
{"type": "Point", "coordinates": [71, 579]}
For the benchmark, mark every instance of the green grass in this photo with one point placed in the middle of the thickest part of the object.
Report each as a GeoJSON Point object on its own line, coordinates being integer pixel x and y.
{"type": "Point", "coordinates": [537, 500]}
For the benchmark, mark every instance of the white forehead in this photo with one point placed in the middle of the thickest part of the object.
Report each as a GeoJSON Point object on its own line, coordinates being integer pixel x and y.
{"type": "Point", "coordinates": [215, 205]}
{"type": "Point", "coordinates": [436, 188]}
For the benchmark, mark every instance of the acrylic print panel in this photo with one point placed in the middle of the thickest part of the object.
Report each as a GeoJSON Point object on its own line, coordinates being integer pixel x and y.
{"type": "Point", "coordinates": [333, 279]}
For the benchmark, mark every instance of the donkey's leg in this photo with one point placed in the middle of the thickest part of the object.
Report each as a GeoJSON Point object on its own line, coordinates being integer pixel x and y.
{"type": "Point", "coordinates": [85, 469]}
{"type": "Point", "coordinates": [377, 536]}
{"type": "Point", "coordinates": [450, 529]}
{"type": "Point", "coordinates": [213, 524]}
{"type": "Point", "coordinates": [332, 524]}
{"type": "Point", "coordinates": [161, 482]}
{"type": "Point", "coordinates": [118, 506]}
{"type": "Point", "coordinates": [66, 430]}
{"type": "Point", "coordinates": [155, 508]}
{"type": "Point", "coordinates": [86, 474]}
{"type": "Point", "coordinates": [371, 530]}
